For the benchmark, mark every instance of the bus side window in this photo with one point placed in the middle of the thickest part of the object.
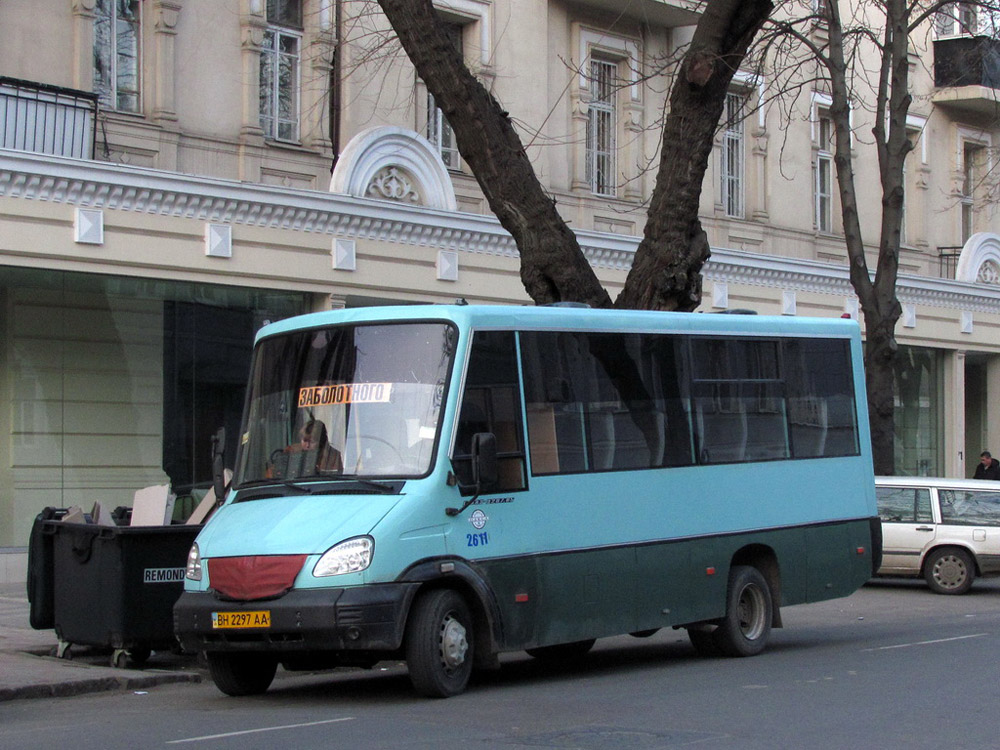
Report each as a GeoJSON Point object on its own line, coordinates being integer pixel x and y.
{"type": "Point", "coordinates": [604, 402]}
{"type": "Point", "coordinates": [491, 403]}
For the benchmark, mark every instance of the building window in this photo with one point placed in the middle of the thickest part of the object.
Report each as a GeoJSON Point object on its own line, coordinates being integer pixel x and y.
{"type": "Point", "coordinates": [279, 70]}
{"type": "Point", "coordinates": [734, 157]}
{"type": "Point", "coordinates": [116, 53]}
{"type": "Point", "coordinates": [824, 173]}
{"type": "Point", "coordinates": [972, 160]}
{"type": "Point", "coordinates": [919, 395]}
{"type": "Point", "coordinates": [956, 19]}
{"type": "Point", "coordinates": [602, 123]}
{"type": "Point", "coordinates": [439, 131]}
{"type": "Point", "coordinates": [902, 209]}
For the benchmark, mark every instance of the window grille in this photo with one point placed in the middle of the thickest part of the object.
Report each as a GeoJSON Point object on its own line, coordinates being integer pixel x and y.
{"type": "Point", "coordinates": [734, 157]}
{"type": "Point", "coordinates": [602, 127]}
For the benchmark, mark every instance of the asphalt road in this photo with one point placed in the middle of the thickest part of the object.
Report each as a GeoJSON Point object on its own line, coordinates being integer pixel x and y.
{"type": "Point", "coordinates": [893, 666]}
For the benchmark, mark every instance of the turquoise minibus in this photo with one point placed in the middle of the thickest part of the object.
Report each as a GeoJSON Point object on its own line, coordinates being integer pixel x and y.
{"type": "Point", "coordinates": [446, 483]}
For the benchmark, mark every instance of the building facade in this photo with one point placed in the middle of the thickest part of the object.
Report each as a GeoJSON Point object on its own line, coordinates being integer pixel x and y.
{"type": "Point", "coordinates": [176, 173]}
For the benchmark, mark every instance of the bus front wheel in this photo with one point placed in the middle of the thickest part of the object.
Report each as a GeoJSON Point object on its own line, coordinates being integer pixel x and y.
{"type": "Point", "coordinates": [242, 674]}
{"type": "Point", "coordinates": [439, 644]}
{"type": "Point", "coordinates": [745, 629]}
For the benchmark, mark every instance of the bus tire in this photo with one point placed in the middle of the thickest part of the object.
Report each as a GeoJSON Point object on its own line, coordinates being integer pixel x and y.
{"type": "Point", "coordinates": [949, 570]}
{"type": "Point", "coordinates": [562, 652]}
{"type": "Point", "coordinates": [242, 674]}
{"type": "Point", "coordinates": [439, 644]}
{"type": "Point", "coordinates": [746, 627]}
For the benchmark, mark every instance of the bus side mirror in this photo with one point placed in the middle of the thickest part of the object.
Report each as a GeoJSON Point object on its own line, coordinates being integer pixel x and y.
{"type": "Point", "coordinates": [218, 467]}
{"type": "Point", "coordinates": [485, 471]}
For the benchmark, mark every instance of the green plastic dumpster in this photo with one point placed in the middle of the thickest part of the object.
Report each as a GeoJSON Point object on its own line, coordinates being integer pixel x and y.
{"type": "Point", "coordinates": [115, 586]}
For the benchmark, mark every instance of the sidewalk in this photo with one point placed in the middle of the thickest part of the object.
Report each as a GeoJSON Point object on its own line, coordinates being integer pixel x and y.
{"type": "Point", "coordinates": [28, 670]}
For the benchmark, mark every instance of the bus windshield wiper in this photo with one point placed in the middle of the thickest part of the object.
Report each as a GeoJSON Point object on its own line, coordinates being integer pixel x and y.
{"type": "Point", "coordinates": [299, 489]}
{"type": "Point", "coordinates": [382, 487]}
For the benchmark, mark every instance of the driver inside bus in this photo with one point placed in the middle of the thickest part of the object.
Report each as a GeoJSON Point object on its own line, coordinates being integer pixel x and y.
{"type": "Point", "coordinates": [312, 455]}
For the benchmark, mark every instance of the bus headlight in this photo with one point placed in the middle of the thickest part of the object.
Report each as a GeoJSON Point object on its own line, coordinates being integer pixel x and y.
{"type": "Point", "coordinates": [349, 556]}
{"type": "Point", "coordinates": [193, 571]}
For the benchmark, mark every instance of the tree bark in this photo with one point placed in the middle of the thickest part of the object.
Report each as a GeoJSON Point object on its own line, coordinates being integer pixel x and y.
{"type": "Point", "coordinates": [879, 305]}
{"type": "Point", "coordinates": [553, 267]}
{"type": "Point", "coordinates": [666, 272]}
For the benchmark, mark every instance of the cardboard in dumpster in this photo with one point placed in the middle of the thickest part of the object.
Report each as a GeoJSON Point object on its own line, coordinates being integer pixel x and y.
{"type": "Point", "coordinates": [101, 515]}
{"type": "Point", "coordinates": [74, 514]}
{"type": "Point", "coordinates": [208, 503]}
{"type": "Point", "coordinates": [153, 506]}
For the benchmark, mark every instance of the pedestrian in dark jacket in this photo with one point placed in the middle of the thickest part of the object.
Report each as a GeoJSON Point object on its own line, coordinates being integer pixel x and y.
{"type": "Point", "coordinates": [988, 468]}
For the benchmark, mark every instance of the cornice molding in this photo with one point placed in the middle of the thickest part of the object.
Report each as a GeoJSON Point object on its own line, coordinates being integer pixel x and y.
{"type": "Point", "coordinates": [91, 184]}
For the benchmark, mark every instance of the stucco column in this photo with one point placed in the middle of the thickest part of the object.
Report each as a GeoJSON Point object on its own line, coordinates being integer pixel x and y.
{"type": "Point", "coordinates": [954, 414]}
{"type": "Point", "coordinates": [83, 44]}
{"type": "Point", "coordinates": [6, 429]}
{"type": "Point", "coordinates": [253, 25]}
{"type": "Point", "coordinates": [166, 13]}
{"type": "Point", "coordinates": [992, 415]}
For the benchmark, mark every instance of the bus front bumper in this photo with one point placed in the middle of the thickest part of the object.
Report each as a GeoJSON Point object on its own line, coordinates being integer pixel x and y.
{"type": "Point", "coordinates": [363, 618]}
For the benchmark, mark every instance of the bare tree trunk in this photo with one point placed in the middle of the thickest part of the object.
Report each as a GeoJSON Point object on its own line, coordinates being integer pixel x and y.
{"type": "Point", "coordinates": [666, 272]}
{"type": "Point", "coordinates": [879, 304]}
{"type": "Point", "coordinates": [553, 268]}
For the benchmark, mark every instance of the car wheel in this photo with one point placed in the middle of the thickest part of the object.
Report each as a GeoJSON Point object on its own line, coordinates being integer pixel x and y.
{"type": "Point", "coordinates": [439, 645]}
{"type": "Point", "coordinates": [949, 571]}
{"type": "Point", "coordinates": [242, 674]}
{"type": "Point", "coordinates": [746, 627]}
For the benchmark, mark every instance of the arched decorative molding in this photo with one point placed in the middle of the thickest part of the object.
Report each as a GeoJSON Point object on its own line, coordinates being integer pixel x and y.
{"type": "Point", "coordinates": [980, 259]}
{"type": "Point", "coordinates": [376, 157]}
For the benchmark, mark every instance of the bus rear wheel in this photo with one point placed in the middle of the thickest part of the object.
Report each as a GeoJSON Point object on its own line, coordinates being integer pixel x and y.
{"type": "Point", "coordinates": [746, 627]}
{"type": "Point", "coordinates": [439, 644]}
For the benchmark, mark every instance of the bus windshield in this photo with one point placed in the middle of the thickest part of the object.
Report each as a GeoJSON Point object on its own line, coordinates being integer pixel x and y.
{"type": "Point", "coordinates": [345, 401]}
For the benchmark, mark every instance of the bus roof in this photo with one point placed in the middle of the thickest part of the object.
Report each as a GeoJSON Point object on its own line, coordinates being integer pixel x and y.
{"type": "Point", "coordinates": [564, 317]}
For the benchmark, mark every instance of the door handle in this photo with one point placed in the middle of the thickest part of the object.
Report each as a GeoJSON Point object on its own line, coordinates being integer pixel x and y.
{"type": "Point", "coordinates": [925, 528]}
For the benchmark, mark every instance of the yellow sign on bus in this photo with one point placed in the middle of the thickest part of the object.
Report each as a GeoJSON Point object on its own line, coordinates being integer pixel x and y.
{"type": "Point", "coordinates": [348, 393]}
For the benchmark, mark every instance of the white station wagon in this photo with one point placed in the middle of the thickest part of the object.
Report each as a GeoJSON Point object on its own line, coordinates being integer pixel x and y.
{"type": "Point", "coordinates": [946, 530]}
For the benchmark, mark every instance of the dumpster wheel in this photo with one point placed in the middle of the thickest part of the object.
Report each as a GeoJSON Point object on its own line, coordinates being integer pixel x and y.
{"type": "Point", "coordinates": [136, 656]}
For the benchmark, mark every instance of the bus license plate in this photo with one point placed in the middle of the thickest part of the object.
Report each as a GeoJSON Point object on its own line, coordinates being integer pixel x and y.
{"type": "Point", "coordinates": [261, 619]}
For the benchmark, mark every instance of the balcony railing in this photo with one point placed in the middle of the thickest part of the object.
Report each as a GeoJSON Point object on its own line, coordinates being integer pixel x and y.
{"type": "Point", "coordinates": [967, 61]}
{"type": "Point", "coordinates": [47, 119]}
{"type": "Point", "coordinates": [948, 257]}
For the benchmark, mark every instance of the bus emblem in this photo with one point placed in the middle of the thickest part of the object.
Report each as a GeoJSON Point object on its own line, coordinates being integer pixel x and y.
{"type": "Point", "coordinates": [478, 519]}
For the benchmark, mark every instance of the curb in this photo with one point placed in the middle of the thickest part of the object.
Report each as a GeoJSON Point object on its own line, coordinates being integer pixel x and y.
{"type": "Point", "coordinates": [93, 685]}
